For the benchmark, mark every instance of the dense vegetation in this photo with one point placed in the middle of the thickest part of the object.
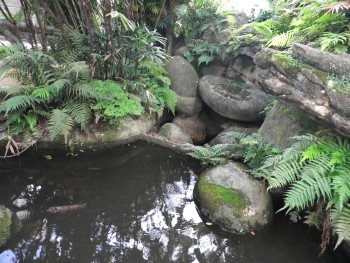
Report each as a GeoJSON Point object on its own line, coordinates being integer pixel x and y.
{"type": "Point", "coordinates": [102, 61]}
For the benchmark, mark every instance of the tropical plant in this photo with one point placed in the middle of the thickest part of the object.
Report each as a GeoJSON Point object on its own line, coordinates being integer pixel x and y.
{"type": "Point", "coordinates": [194, 18]}
{"type": "Point", "coordinates": [211, 155]}
{"type": "Point", "coordinates": [306, 22]}
{"type": "Point", "coordinates": [50, 90]}
{"type": "Point", "coordinates": [252, 149]}
{"type": "Point", "coordinates": [316, 169]}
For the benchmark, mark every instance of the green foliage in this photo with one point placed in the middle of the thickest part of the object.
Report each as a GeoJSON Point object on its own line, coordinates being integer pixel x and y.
{"type": "Point", "coordinates": [52, 91]}
{"type": "Point", "coordinates": [115, 103]}
{"type": "Point", "coordinates": [252, 149]}
{"type": "Point", "coordinates": [305, 22]}
{"type": "Point", "coordinates": [203, 53]}
{"type": "Point", "coordinates": [196, 17]}
{"type": "Point", "coordinates": [211, 155]}
{"type": "Point", "coordinates": [340, 83]}
{"type": "Point", "coordinates": [317, 169]}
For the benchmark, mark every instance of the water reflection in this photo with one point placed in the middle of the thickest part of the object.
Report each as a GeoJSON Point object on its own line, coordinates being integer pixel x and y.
{"type": "Point", "coordinates": [139, 209]}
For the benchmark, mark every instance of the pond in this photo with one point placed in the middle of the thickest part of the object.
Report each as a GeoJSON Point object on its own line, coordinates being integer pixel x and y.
{"type": "Point", "coordinates": [130, 204]}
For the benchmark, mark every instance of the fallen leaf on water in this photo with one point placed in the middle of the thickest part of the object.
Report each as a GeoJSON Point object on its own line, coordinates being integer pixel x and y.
{"type": "Point", "coordinates": [81, 151]}
{"type": "Point", "coordinates": [48, 157]}
{"type": "Point", "coordinates": [208, 223]}
{"type": "Point", "coordinates": [252, 233]}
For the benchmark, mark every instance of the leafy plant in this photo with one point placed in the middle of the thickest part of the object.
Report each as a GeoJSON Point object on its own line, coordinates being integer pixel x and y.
{"type": "Point", "coordinates": [252, 149]}
{"type": "Point", "coordinates": [53, 91]}
{"type": "Point", "coordinates": [340, 83]}
{"type": "Point", "coordinates": [115, 103]}
{"type": "Point", "coordinates": [203, 52]}
{"type": "Point", "coordinates": [194, 18]}
{"type": "Point", "coordinates": [211, 155]}
{"type": "Point", "coordinates": [317, 170]}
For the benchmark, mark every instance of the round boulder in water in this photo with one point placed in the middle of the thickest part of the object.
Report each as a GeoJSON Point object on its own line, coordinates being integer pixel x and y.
{"type": "Point", "coordinates": [233, 99]}
{"type": "Point", "coordinates": [5, 224]}
{"type": "Point", "coordinates": [233, 199]}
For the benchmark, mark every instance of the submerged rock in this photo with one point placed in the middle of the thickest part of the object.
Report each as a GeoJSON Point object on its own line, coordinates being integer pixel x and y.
{"type": "Point", "coordinates": [233, 99]}
{"type": "Point", "coordinates": [233, 199]}
{"type": "Point", "coordinates": [20, 202]}
{"type": "Point", "coordinates": [172, 132]}
{"type": "Point", "coordinates": [5, 224]}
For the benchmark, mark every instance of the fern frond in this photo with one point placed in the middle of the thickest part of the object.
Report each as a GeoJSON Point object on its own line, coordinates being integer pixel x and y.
{"type": "Point", "coordinates": [80, 111]}
{"type": "Point", "coordinates": [235, 135]}
{"type": "Point", "coordinates": [60, 124]}
{"type": "Point", "coordinates": [305, 192]}
{"type": "Point", "coordinates": [284, 174]}
{"type": "Point", "coordinates": [341, 224]}
{"type": "Point", "coordinates": [341, 186]}
{"type": "Point", "coordinates": [20, 102]}
{"type": "Point", "coordinates": [281, 41]}
{"type": "Point", "coordinates": [81, 90]}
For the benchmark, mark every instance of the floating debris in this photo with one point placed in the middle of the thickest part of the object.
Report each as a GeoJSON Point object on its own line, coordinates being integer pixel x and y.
{"type": "Point", "coordinates": [209, 223]}
{"type": "Point", "coordinates": [48, 157]}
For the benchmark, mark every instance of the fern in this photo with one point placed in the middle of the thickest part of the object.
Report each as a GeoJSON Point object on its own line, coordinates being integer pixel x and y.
{"type": "Point", "coordinates": [281, 41]}
{"type": "Point", "coordinates": [60, 123]}
{"type": "Point", "coordinates": [316, 170]}
{"type": "Point", "coordinates": [19, 102]}
{"type": "Point", "coordinates": [211, 155]}
{"type": "Point", "coordinates": [341, 223]}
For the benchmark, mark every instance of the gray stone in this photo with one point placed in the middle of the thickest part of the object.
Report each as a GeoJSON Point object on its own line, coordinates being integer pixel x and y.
{"type": "Point", "coordinates": [233, 99]}
{"type": "Point", "coordinates": [304, 87]}
{"type": "Point", "coordinates": [172, 132]}
{"type": "Point", "coordinates": [249, 207]}
{"type": "Point", "coordinates": [184, 80]}
{"type": "Point", "coordinates": [20, 202]}
{"type": "Point", "coordinates": [184, 77]}
{"type": "Point", "coordinates": [193, 126]}
{"type": "Point", "coordinates": [284, 122]}
{"type": "Point", "coordinates": [213, 69]}
{"type": "Point", "coordinates": [188, 106]}
{"type": "Point", "coordinates": [224, 138]}
{"type": "Point", "coordinates": [331, 63]}
{"type": "Point", "coordinates": [180, 51]}
{"type": "Point", "coordinates": [217, 37]}
{"type": "Point", "coordinates": [5, 224]}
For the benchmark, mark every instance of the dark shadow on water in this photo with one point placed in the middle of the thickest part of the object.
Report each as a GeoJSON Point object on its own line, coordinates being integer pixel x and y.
{"type": "Point", "coordinates": [139, 208]}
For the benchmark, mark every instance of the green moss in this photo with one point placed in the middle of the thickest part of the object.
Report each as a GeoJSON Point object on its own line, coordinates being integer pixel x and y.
{"type": "Point", "coordinates": [5, 226]}
{"type": "Point", "coordinates": [215, 195]}
{"type": "Point", "coordinates": [287, 64]}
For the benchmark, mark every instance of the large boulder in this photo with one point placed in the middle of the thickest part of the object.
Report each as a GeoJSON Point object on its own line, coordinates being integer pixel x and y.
{"type": "Point", "coordinates": [184, 80]}
{"type": "Point", "coordinates": [233, 199]}
{"type": "Point", "coordinates": [284, 122]}
{"type": "Point", "coordinates": [5, 224]}
{"type": "Point", "coordinates": [233, 99]}
{"type": "Point", "coordinates": [172, 132]}
{"type": "Point", "coordinates": [193, 126]}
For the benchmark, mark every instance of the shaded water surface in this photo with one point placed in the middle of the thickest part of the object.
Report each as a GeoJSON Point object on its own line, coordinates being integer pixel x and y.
{"type": "Point", "coordinates": [139, 208]}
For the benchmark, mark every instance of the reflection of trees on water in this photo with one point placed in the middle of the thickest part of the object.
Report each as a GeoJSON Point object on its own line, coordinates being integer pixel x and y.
{"type": "Point", "coordinates": [168, 230]}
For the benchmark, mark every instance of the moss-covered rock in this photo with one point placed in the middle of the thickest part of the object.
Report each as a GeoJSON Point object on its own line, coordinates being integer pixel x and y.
{"type": "Point", "coordinates": [5, 224]}
{"type": "Point", "coordinates": [284, 122]}
{"type": "Point", "coordinates": [233, 200]}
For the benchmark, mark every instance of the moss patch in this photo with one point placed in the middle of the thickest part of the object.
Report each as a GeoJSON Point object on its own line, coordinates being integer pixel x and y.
{"type": "Point", "coordinates": [288, 64]}
{"type": "Point", "coordinates": [5, 226]}
{"type": "Point", "coordinates": [215, 195]}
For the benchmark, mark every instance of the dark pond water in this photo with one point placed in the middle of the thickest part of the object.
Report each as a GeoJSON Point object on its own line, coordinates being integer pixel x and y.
{"type": "Point", "coordinates": [139, 208]}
